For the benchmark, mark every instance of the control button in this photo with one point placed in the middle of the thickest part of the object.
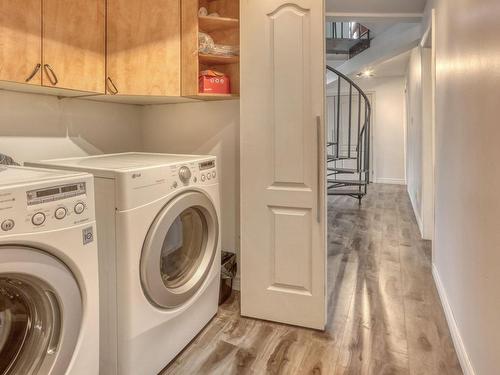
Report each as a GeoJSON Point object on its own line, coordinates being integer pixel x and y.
{"type": "Point", "coordinates": [203, 178]}
{"type": "Point", "coordinates": [79, 208]}
{"type": "Point", "coordinates": [214, 174]}
{"type": "Point", "coordinates": [38, 218]}
{"type": "Point", "coordinates": [60, 213]}
{"type": "Point", "coordinates": [184, 174]}
{"type": "Point", "coordinates": [195, 179]}
{"type": "Point", "coordinates": [7, 225]}
{"type": "Point", "coordinates": [209, 176]}
{"type": "Point", "coordinates": [174, 184]}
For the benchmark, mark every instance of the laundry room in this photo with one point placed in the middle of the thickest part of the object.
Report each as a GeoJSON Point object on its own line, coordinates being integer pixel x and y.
{"type": "Point", "coordinates": [247, 187]}
{"type": "Point", "coordinates": [39, 127]}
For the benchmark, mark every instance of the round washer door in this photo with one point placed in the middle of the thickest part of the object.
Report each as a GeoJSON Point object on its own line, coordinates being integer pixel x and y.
{"type": "Point", "coordinates": [40, 312]}
{"type": "Point", "coordinates": [179, 249]}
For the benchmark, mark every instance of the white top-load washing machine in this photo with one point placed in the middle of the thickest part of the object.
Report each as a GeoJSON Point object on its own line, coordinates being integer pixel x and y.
{"type": "Point", "coordinates": [49, 301]}
{"type": "Point", "coordinates": [158, 222]}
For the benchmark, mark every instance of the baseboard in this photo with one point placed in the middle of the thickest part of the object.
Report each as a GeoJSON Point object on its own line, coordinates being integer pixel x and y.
{"type": "Point", "coordinates": [236, 283]}
{"type": "Point", "coordinates": [417, 215]}
{"type": "Point", "coordinates": [463, 357]}
{"type": "Point", "coordinates": [393, 181]}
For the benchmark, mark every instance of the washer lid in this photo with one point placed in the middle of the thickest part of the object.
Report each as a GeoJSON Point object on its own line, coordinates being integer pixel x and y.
{"type": "Point", "coordinates": [107, 165]}
{"type": "Point", "coordinates": [40, 312]}
{"type": "Point", "coordinates": [12, 175]}
{"type": "Point", "coordinates": [179, 249]}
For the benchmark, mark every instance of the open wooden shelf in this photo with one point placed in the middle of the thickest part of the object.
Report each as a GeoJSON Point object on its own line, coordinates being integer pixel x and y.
{"type": "Point", "coordinates": [217, 60]}
{"type": "Point", "coordinates": [210, 24]}
{"type": "Point", "coordinates": [208, 96]}
{"type": "Point", "coordinates": [224, 30]}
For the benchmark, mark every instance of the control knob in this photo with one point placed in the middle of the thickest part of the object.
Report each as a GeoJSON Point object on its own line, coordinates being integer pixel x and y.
{"type": "Point", "coordinates": [184, 174]}
{"type": "Point", "coordinates": [79, 208]}
{"type": "Point", "coordinates": [38, 219]}
{"type": "Point", "coordinates": [60, 213]}
{"type": "Point", "coordinates": [8, 225]}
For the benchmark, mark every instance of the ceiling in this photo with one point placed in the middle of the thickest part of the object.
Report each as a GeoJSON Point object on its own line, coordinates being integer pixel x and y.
{"type": "Point", "coordinates": [394, 67]}
{"type": "Point", "coordinates": [378, 27]}
{"type": "Point", "coordinates": [375, 6]}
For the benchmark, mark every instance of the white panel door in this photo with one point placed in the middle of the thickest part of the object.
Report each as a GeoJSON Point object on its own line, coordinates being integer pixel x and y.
{"type": "Point", "coordinates": [283, 219]}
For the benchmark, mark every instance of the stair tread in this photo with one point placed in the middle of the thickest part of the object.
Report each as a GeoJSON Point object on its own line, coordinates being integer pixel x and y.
{"type": "Point", "coordinates": [341, 156]}
{"type": "Point", "coordinates": [345, 192]}
{"type": "Point", "coordinates": [344, 170]}
{"type": "Point", "coordinates": [347, 182]}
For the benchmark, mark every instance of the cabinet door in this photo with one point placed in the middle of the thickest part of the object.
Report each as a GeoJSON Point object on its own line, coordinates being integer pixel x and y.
{"type": "Point", "coordinates": [20, 40]}
{"type": "Point", "coordinates": [283, 189]}
{"type": "Point", "coordinates": [74, 44]}
{"type": "Point", "coordinates": [143, 56]}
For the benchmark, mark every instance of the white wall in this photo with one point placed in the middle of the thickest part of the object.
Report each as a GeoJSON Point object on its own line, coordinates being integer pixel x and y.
{"type": "Point", "coordinates": [428, 156]}
{"type": "Point", "coordinates": [466, 251]}
{"type": "Point", "coordinates": [415, 132]}
{"type": "Point", "coordinates": [388, 129]}
{"type": "Point", "coordinates": [41, 126]}
{"type": "Point", "coordinates": [202, 128]}
{"type": "Point", "coordinates": [420, 139]}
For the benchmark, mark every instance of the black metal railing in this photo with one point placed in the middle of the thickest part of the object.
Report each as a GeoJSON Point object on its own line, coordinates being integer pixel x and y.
{"type": "Point", "coordinates": [347, 30]}
{"type": "Point", "coordinates": [348, 143]}
{"type": "Point", "coordinates": [347, 38]}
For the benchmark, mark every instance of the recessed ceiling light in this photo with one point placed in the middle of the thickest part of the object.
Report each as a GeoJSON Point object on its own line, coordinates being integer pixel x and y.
{"type": "Point", "coordinates": [366, 74]}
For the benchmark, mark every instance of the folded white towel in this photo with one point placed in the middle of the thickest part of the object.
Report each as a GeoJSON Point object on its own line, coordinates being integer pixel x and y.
{"type": "Point", "coordinates": [7, 160]}
{"type": "Point", "coordinates": [202, 12]}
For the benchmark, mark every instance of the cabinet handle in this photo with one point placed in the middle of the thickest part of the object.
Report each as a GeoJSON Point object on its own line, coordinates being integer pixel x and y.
{"type": "Point", "coordinates": [34, 72]}
{"type": "Point", "coordinates": [50, 73]}
{"type": "Point", "coordinates": [111, 86]}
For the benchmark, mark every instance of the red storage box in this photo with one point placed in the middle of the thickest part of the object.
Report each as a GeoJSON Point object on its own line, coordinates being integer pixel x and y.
{"type": "Point", "coordinates": [212, 82]}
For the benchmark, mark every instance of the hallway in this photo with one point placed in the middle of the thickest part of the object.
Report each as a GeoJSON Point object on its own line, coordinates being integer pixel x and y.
{"type": "Point", "coordinates": [384, 299]}
{"type": "Point", "coordinates": [385, 316]}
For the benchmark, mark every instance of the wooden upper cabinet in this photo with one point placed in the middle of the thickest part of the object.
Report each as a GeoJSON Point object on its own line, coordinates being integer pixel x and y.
{"type": "Point", "coordinates": [143, 49]}
{"type": "Point", "coordinates": [74, 44]}
{"type": "Point", "coordinates": [20, 40]}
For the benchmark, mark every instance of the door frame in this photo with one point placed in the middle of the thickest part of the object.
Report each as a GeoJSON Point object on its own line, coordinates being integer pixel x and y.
{"type": "Point", "coordinates": [428, 62]}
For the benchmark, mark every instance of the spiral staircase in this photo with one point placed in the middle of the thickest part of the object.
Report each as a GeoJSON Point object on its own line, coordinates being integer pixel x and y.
{"type": "Point", "coordinates": [348, 145]}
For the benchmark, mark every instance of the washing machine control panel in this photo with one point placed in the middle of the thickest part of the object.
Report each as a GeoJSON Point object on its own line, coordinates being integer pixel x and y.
{"type": "Point", "coordinates": [143, 186]}
{"type": "Point", "coordinates": [46, 207]}
{"type": "Point", "coordinates": [195, 173]}
{"type": "Point", "coordinates": [55, 193]}
{"type": "Point", "coordinates": [207, 171]}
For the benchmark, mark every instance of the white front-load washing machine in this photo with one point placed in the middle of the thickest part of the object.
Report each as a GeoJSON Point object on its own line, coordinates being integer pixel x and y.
{"type": "Point", "coordinates": [158, 222]}
{"type": "Point", "coordinates": [49, 301]}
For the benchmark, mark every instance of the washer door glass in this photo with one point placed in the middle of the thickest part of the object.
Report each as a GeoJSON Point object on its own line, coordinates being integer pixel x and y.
{"type": "Point", "coordinates": [28, 324]}
{"type": "Point", "coordinates": [179, 249]}
{"type": "Point", "coordinates": [182, 249]}
{"type": "Point", "coordinates": [34, 337]}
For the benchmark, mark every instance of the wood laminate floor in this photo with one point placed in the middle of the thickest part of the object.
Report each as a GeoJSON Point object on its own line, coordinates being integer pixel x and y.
{"type": "Point", "coordinates": [384, 313]}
